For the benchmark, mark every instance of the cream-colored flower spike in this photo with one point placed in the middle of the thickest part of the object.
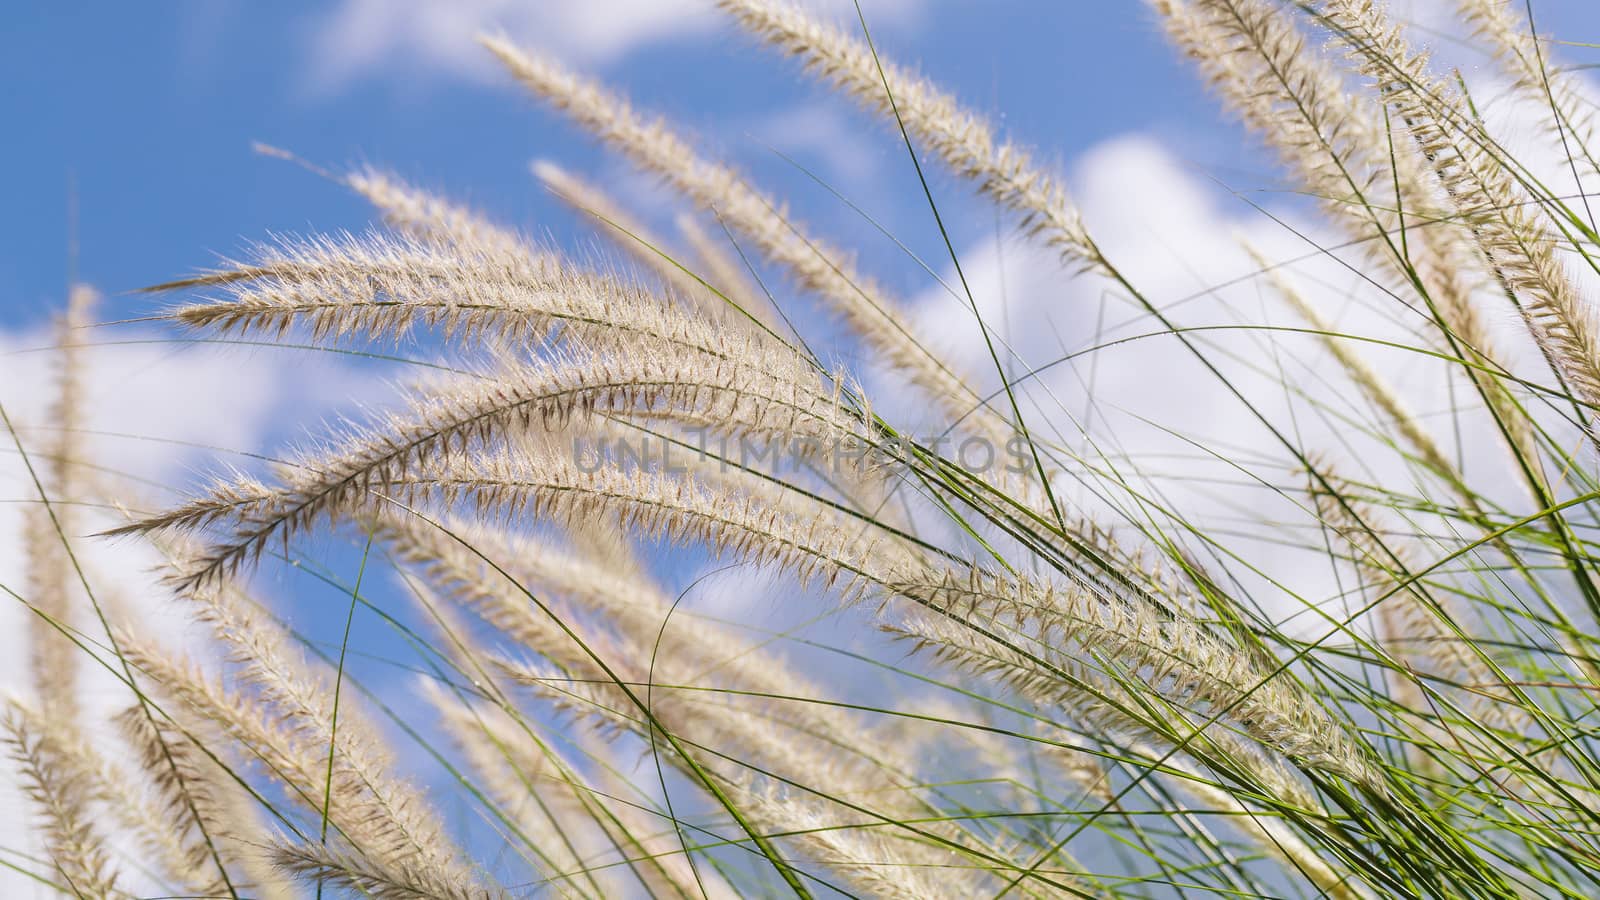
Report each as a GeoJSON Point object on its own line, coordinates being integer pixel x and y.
{"type": "Point", "coordinates": [965, 649]}
{"type": "Point", "coordinates": [501, 295]}
{"type": "Point", "coordinates": [961, 138]}
{"type": "Point", "coordinates": [744, 731]}
{"type": "Point", "coordinates": [825, 271]}
{"type": "Point", "coordinates": [1175, 656]}
{"type": "Point", "coordinates": [765, 397]}
{"type": "Point", "coordinates": [202, 809]}
{"type": "Point", "coordinates": [637, 605]}
{"type": "Point", "coordinates": [1485, 191]}
{"type": "Point", "coordinates": [1380, 191]}
{"type": "Point", "coordinates": [626, 232]}
{"type": "Point", "coordinates": [375, 814]}
{"type": "Point", "coordinates": [281, 709]}
{"type": "Point", "coordinates": [77, 850]}
{"type": "Point", "coordinates": [425, 215]}
{"type": "Point", "coordinates": [1539, 81]}
{"type": "Point", "coordinates": [50, 532]}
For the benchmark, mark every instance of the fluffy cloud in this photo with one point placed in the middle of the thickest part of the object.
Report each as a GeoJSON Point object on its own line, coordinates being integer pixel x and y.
{"type": "Point", "coordinates": [359, 36]}
{"type": "Point", "coordinates": [821, 131]}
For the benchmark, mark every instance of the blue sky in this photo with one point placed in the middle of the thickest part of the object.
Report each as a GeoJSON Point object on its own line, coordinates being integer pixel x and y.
{"type": "Point", "coordinates": [151, 110]}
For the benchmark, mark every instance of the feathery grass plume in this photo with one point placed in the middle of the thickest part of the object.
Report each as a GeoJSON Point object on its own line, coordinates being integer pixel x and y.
{"type": "Point", "coordinates": [1488, 194]}
{"type": "Point", "coordinates": [284, 720]}
{"type": "Point", "coordinates": [963, 140]}
{"type": "Point", "coordinates": [50, 530]}
{"type": "Point", "coordinates": [155, 812]}
{"type": "Point", "coordinates": [285, 682]}
{"type": "Point", "coordinates": [1510, 40]}
{"type": "Point", "coordinates": [1173, 657]}
{"type": "Point", "coordinates": [1373, 386]}
{"type": "Point", "coordinates": [1104, 709]}
{"type": "Point", "coordinates": [1379, 190]}
{"type": "Point", "coordinates": [769, 718]}
{"type": "Point", "coordinates": [427, 216]}
{"type": "Point", "coordinates": [252, 309]}
{"type": "Point", "coordinates": [869, 860]}
{"type": "Point", "coordinates": [61, 799]}
{"type": "Point", "coordinates": [730, 278]}
{"type": "Point", "coordinates": [764, 396]}
{"type": "Point", "coordinates": [1426, 631]}
{"type": "Point", "coordinates": [203, 810]}
{"type": "Point", "coordinates": [818, 268]}
{"type": "Point", "coordinates": [626, 232]}
{"type": "Point", "coordinates": [126, 799]}
{"type": "Point", "coordinates": [323, 864]}
{"type": "Point", "coordinates": [758, 525]}
{"type": "Point", "coordinates": [856, 824]}
{"type": "Point", "coordinates": [636, 605]}
{"type": "Point", "coordinates": [1100, 706]}
{"type": "Point", "coordinates": [553, 807]}
{"type": "Point", "coordinates": [379, 286]}
{"type": "Point", "coordinates": [380, 819]}
{"type": "Point", "coordinates": [492, 575]}
{"type": "Point", "coordinates": [535, 786]}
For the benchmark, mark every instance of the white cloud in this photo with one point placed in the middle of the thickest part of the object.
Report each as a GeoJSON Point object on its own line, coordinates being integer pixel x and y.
{"type": "Point", "coordinates": [823, 132]}
{"type": "Point", "coordinates": [437, 36]}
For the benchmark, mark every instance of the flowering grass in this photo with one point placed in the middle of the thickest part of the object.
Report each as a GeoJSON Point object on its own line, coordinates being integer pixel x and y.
{"type": "Point", "coordinates": [1097, 692]}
